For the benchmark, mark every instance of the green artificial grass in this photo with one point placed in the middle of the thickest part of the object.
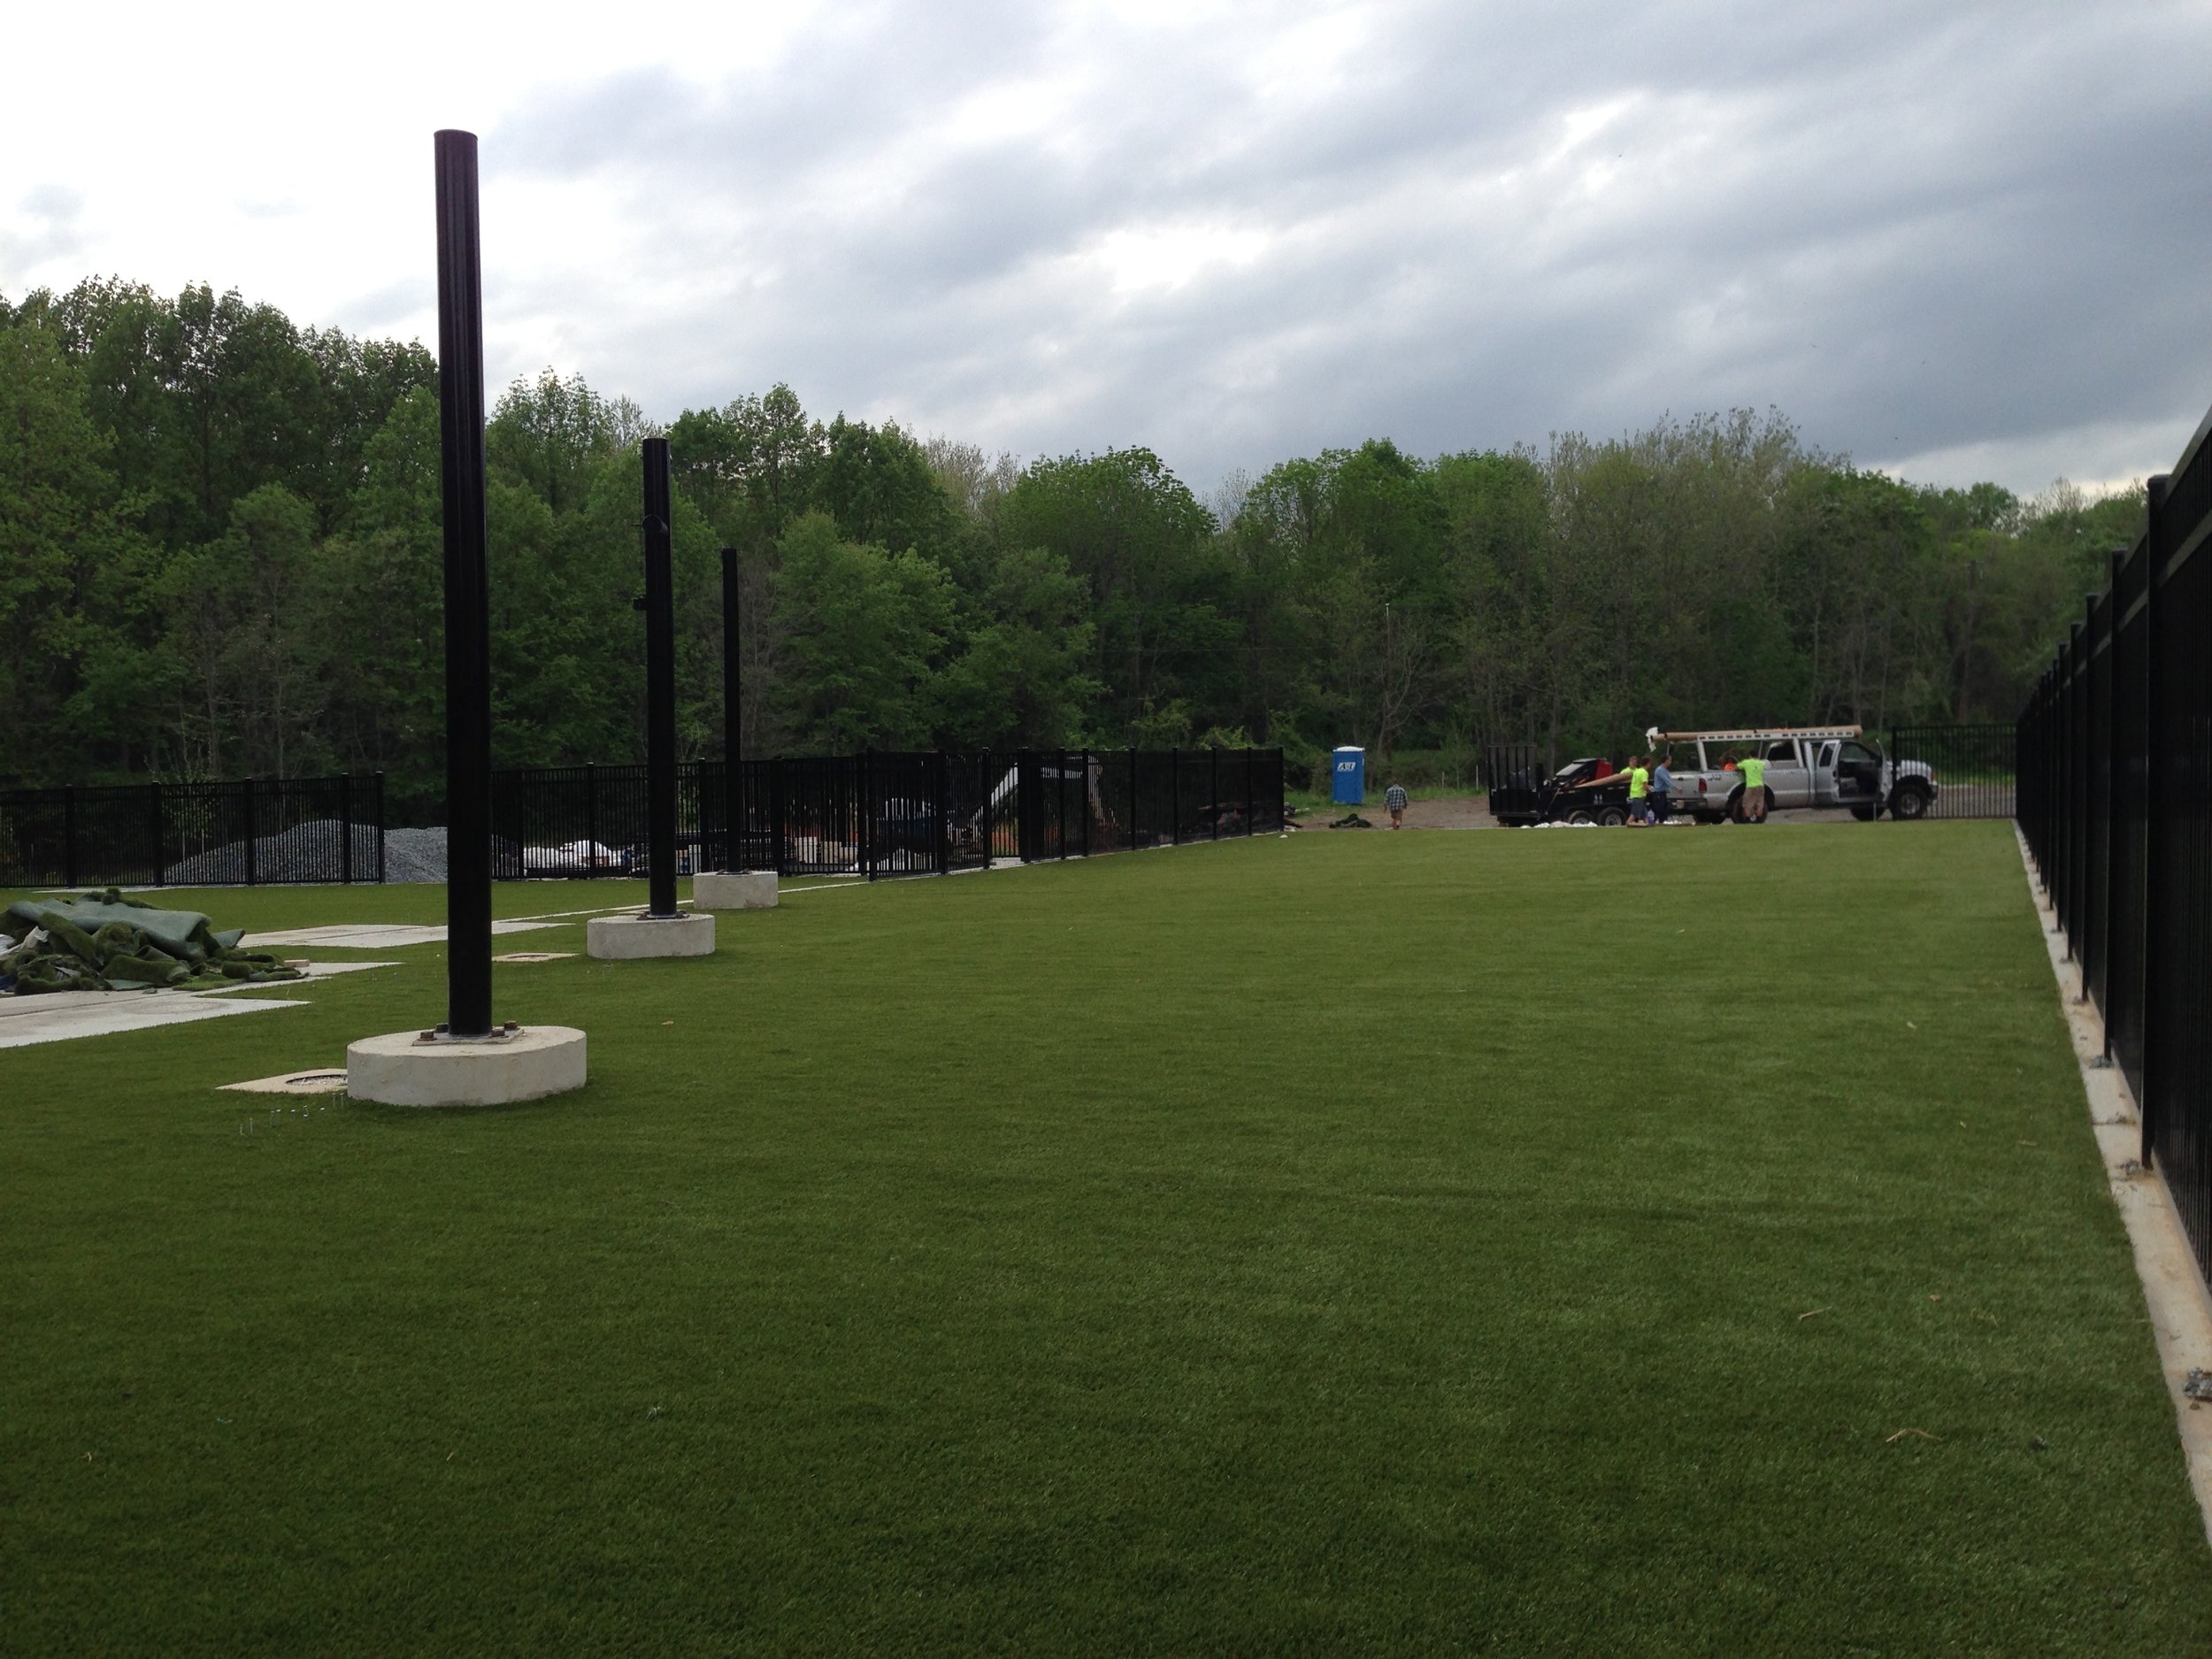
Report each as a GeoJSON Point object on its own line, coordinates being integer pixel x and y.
{"type": "Point", "coordinates": [1630, 1243]}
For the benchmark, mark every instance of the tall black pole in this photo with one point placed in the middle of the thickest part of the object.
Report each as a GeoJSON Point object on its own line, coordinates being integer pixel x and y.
{"type": "Point", "coordinates": [733, 751]}
{"type": "Point", "coordinates": [660, 687]}
{"type": "Point", "coordinates": [468, 692]}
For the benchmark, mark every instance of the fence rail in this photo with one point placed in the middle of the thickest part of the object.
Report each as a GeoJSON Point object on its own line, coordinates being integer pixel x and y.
{"type": "Point", "coordinates": [236, 833]}
{"type": "Point", "coordinates": [882, 814]}
{"type": "Point", "coordinates": [2115, 768]}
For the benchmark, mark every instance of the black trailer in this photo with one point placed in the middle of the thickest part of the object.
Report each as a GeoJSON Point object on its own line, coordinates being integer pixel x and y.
{"type": "Point", "coordinates": [1575, 793]}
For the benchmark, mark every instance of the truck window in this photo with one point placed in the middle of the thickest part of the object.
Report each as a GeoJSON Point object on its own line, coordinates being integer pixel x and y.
{"type": "Point", "coordinates": [1828, 755]}
{"type": "Point", "coordinates": [1784, 752]}
{"type": "Point", "coordinates": [1856, 754]}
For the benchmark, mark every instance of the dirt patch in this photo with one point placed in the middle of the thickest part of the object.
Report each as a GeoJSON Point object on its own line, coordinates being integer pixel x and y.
{"type": "Point", "coordinates": [1458, 812]}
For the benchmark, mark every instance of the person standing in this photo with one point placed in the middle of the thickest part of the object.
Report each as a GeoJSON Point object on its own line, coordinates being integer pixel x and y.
{"type": "Point", "coordinates": [1638, 790]}
{"type": "Point", "coordinates": [1661, 789]}
{"type": "Point", "coordinates": [1395, 798]}
{"type": "Point", "coordinates": [1754, 787]}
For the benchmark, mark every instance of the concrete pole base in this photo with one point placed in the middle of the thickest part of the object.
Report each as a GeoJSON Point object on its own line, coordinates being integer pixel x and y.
{"type": "Point", "coordinates": [407, 1069]}
{"type": "Point", "coordinates": [733, 890]}
{"type": "Point", "coordinates": [627, 938]}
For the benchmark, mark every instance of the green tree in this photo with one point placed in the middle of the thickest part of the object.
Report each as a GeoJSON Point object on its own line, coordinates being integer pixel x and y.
{"type": "Point", "coordinates": [865, 629]}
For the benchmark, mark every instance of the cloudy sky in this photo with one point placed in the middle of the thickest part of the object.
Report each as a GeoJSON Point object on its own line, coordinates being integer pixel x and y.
{"type": "Point", "coordinates": [1955, 240]}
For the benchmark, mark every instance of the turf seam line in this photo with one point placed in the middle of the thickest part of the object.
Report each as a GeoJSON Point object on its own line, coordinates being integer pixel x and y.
{"type": "Point", "coordinates": [2174, 1292]}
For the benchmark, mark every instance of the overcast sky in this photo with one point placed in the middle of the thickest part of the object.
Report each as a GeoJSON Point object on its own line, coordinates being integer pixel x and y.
{"type": "Point", "coordinates": [1955, 240]}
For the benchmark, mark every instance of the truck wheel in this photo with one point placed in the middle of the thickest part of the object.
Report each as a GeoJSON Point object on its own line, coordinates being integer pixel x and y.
{"type": "Point", "coordinates": [1579, 817]}
{"type": "Point", "coordinates": [1864, 814]}
{"type": "Point", "coordinates": [1612, 818]}
{"type": "Point", "coordinates": [1908, 803]}
{"type": "Point", "coordinates": [1735, 807]}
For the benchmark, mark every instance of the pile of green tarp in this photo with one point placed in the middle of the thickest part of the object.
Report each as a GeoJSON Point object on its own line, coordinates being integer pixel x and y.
{"type": "Point", "coordinates": [106, 942]}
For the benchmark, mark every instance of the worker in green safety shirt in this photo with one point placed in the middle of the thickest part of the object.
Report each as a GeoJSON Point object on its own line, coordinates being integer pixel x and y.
{"type": "Point", "coordinates": [1754, 787]}
{"type": "Point", "coordinates": [1639, 788]}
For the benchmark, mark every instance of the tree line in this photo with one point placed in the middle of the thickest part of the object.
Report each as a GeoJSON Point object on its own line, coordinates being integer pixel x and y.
{"type": "Point", "coordinates": [222, 556]}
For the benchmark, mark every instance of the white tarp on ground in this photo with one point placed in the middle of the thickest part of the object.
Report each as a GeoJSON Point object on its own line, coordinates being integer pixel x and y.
{"type": "Point", "coordinates": [374, 936]}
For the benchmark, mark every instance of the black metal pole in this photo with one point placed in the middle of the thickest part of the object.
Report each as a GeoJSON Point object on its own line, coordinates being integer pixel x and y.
{"type": "Point", "coordinates": [732, 746]}
{"type": "Point", "coordinates": [468, 690]}
{"type": "Point", "coordinates": [660, 687]}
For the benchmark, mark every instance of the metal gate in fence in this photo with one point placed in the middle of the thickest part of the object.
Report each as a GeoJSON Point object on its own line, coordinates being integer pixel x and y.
{"type": "Point", "coordinates": [1969, 766]}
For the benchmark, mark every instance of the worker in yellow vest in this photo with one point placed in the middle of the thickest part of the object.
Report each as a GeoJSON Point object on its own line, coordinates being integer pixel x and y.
{"type": "Point", "coordinates": [1754, 787]}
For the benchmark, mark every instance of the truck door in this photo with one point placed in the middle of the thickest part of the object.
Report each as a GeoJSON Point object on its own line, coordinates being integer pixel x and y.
{"type": "Point", "coordinates": [1788, 776]}
{"type": "Point", "coordinates": [1858, 775]}
{"type": "Point", "coordinates": [1825, 776]}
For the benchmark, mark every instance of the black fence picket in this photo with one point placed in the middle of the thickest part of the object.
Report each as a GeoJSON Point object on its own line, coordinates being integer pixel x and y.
{"type": "Point", "coordinates": [230, 832]}
{"type": "Point", "coordinates": [2114, 805]}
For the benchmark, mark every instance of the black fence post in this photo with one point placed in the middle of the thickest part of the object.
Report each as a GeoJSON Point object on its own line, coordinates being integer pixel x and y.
{"type": "Point", "coordinates": [1213, 788]}
{"type": "Point", "coordinates": [1175, 794]}
{"type": "Point", "coordinates": [776, 858]}
{"type": "Point", "coordinates": [153, 813]}
{"type": "Point", "coordinates": [345, 829]}
{"type": "Point", "coordinates": [379, 827]}
{"type": "Point", "coordinates": [868, 812]}
{"type": "Point", "coordinates": [2158, 830]}
{"type": "Point", "coordinates": [591, 819]}
{"type": "Point", "coordinates": [1132, 831]}
{"type": "Point", "coordinates": [941, 816]}
{"type": "Point", "coordinates": [1249, 752]}
{"type": "Point", "coordinates": [69, 836]}
{"type": "Point", "coordinates": [253, 830]}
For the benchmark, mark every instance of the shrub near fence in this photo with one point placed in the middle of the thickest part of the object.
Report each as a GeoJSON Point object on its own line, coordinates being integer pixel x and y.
{"type": "Point", "coordinates": [238, 833]}
{"type": "Point", "coordinates": [2115, 765]}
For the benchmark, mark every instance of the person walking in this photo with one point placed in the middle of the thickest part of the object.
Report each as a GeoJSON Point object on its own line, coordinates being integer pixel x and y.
{"type": "Point", "coordinates": [1661, 790]}
{"type": "Point", "coordinates": [1395, 798]}
{"type": "Point", "coordinates": [1755, 786]}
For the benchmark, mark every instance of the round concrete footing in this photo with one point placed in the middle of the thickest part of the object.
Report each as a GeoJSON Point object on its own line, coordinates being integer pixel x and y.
{"type": "Point", "coordinates": [733, 890]}
{"type": "Point", "coordinates": [408, 1070]}
{"type": "Point", "coordinates": [627, 938]}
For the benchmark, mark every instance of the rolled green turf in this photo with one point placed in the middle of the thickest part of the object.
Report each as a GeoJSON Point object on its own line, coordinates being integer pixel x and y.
{"type": "Point", "coordinates": [1517, 1243]}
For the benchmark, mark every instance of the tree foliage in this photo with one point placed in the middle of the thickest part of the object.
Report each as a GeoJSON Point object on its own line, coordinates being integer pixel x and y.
{"type": "Point", "coordinates": [221, 551]}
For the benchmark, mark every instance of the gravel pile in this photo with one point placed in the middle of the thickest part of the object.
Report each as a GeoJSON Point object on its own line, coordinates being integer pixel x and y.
{"type": "Point", "coordinates": [414, 854]}
{"type": "Point", "coordinates": [310, 852]}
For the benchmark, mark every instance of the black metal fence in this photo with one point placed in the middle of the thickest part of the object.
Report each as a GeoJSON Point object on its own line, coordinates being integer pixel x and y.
{"type": "Point", "coordinates": [1969, 769]}
{"type": "Point", "coordinates": [2115, 766]}
{"type": "Point", "coordinates": [244, 832]}
{"type": "Point", "coordinates": [883, 814]}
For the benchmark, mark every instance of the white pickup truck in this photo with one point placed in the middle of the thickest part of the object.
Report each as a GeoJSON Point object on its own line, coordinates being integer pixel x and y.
{"type": "Point", "coordinates": [1824, 766]}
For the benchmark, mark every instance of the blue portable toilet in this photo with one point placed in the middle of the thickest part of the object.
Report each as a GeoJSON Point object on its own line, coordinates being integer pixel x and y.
{"type": "Point", "coordinates": [1350, 773]}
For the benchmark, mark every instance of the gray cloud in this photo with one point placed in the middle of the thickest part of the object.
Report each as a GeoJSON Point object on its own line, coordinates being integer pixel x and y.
{"type": "Point", "coordinates": [1935, 236]}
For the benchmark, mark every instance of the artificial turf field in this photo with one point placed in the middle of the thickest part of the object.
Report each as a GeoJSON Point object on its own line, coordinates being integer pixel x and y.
{"type": "Point", "coordinates": [1416, 1243]}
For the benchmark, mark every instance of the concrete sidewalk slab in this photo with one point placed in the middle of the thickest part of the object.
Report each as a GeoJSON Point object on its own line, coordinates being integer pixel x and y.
{"type": "Point", "coordinates": [374, 936]}
{"type": "Point", "coordinates": [104, 1013]}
